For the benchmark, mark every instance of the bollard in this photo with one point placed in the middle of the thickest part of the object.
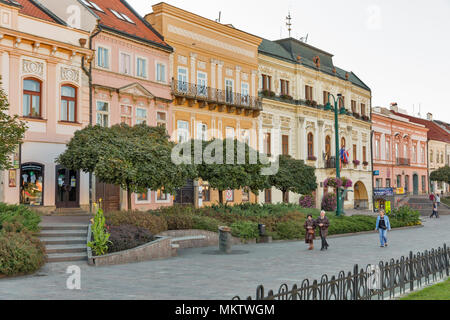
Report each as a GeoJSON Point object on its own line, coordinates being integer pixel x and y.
{"type": "Point", "coordinates": [225, 240]}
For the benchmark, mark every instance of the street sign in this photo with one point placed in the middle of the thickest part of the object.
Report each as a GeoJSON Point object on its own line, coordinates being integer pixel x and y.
{"type": "Point", "coordinates": [376, 173]}
{"type": "Point", "coordinates": [387, 207]}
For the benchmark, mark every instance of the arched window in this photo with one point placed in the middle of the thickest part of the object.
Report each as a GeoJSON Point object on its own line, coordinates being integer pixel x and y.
{"type": "Point", "coordinates": [328, 147]}
{"type": "Point", "coordinates": [343, 142]}
{"type": "Point", "coordinates": [68, 103]}
{"type": "Point", "coordinates": [32, 98]}
{"type": "Point", "coordinates": [310, 145]}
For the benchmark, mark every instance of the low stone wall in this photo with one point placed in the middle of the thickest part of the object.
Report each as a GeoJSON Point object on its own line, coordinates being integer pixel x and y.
{"type": "Point", "coordinates": [211, 240]}
{"type": "Point", "coordinates": [159, 249]}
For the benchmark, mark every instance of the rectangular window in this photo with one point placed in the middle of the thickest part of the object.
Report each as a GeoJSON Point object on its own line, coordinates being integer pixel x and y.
{"type": "Point", "coordinates": [364, 154]}
{"type": "Point", "coordinates": [202, 83]}
{"type": "Point", "coordinates": [245, 93]}
{"type": "Point", "coordinates": [125, 63]}
{"type": "Point", "coordinates": [103, 113]}
{"type": "Point", "coordinates": [326, 98]}
{"type": "Point", "coordinates": [363, 109]}
{"type": "Point", "coordinates": [161, 119]}
{"type": "Point", "coordinates": [355, 152]}
{"type": "Point", "coordinates": [245, 195]}
{"type": "Point", "coordinates": [266, 82]}
{"type": "Point", "coordinates": [424, 184]}
{"type": "Point", "coordinates": [103, 58]}
{"type": "Point", "coordinates": [399, 181]}
{"type": "Point", "coordinates": [268, 196]}
{"type": "Point", "coordinates": [141, 68]}
{"type": "Point", "coordinates": [126, 114]}
{"type": "Point", "coordinates": [388, 150]}
{"type": "Point", "coordinates": [202, 131]}
{"type": "Point", "coordinates": [182, 79]}
{"type": "Point", "coordinates": [68, 103]}
{"type": "Point", "coordinates": [379, 183]}
{"type": "Point", "coordinates": [284, 87]}
{"type": "Point", "coordinates": [160, 72]}
{"type": "Point", "coordinates": [229, 88]}
{"type": "Point", "coordinates": [267, 144]}
{"type": "Point", "coordinates": [354, 106]}
{"type": "Point", "coordinates": [342, 102]}
{"type": "Point", "coordinates": [285, 145]}
{"type": "Point", "coordinates": [183, 131]}
{"type": "Point", "coordinates": [377, 149]}
{"type": "Point", "coordinates": [388, 183]}
{"type": "Point", "coordinates": [206, 193]}
{"type": "Point", "coordinates": [31, 98]}
{"type": "Point", "coordinates": [309, 93]}
{"type": "Point", "coordinates": [161, 196]}
{"type": "Point", "coordinates": [141, 115]}
{"type": "Point", "coordinates": [143, 197]}
{"type": "Point", "coordinates": [415, 154]}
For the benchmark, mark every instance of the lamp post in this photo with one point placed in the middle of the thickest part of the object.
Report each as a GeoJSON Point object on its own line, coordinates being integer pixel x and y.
{"type": "Point", "coordinates": [337, 112]}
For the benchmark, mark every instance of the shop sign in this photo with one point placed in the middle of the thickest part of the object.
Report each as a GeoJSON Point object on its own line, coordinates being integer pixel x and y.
{"type": "Point", "coordinates": [383, 192]}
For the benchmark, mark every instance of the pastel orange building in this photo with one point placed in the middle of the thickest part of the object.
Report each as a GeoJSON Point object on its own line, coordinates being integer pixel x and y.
{"type": "Point", "coordinates": [214, 86]}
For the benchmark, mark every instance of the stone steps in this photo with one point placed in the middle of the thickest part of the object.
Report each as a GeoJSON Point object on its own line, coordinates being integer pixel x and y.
{"type": "Point", "coordinates": [64, 242]}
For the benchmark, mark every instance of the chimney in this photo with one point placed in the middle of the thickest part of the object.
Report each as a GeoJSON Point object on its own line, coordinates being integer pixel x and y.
{"type": "Point", "coordinates": [429, 116]}
{"type": "Point", "coordinates": [394, 106]}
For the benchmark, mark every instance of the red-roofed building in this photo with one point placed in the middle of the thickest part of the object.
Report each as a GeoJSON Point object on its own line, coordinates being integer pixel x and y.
{"type": "Point", "coordinates": [438, 146]}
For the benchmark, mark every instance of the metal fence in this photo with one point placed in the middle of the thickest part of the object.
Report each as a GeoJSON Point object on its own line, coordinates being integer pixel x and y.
{"type": "Point", "coordinates": [385, 280]}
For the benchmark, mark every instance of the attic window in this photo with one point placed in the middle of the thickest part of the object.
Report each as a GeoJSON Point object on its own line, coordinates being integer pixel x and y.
{"type": "Point", "coordinates": [92, 5]}
{"type": "Point", "coordinates": [121, 16]}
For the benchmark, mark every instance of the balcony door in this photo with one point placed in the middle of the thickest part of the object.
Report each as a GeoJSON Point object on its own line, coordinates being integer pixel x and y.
{"type": "Point", "coordinates": [67, 188]}
{"type": "Point", "coordinates": [182, 79]}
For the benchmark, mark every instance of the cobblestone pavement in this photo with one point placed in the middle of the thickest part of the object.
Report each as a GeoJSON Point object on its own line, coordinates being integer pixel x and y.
{"type": "Point", "coordinates": [194, 274]}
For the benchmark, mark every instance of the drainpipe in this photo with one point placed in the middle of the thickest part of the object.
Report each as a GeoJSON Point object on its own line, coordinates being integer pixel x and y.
{"type": "Point", "coordinates": [371, 154]}
{"type": "Point", "coordinates": [428, 166]}
{"type": "Point", "coordinates": [89, 75]}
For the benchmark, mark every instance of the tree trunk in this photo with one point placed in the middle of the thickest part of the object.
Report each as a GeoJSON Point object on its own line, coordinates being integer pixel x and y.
{"type": "Point", "coordinates": [285, 200]}
{"type": "Point", "coordinates": [221, 196]}
{"type": "Point", "coordinates": [129, 198]}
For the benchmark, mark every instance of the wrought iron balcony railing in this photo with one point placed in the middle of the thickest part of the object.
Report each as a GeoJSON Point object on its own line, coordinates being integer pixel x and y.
{"type": "Point", "coordinates": [212, 95]}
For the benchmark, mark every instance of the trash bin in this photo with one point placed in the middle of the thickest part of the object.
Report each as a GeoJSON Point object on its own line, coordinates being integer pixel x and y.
{"type": "Point", "coordinates": [225, 239]}
{"type": "Point", "coordinates": [262, 229]}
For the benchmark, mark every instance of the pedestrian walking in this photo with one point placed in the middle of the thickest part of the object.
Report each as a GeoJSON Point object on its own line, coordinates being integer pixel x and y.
{"type": "Point", "coordinates": [383, 226]}
{"type": "Point", "coordinates": [323, 223]}
{"type": "Point", "coordinates": [432, 198]}
{"type": "Point", "coordinates": [435, 211]}
{"type": "Point", "coordinates": [310, 227]}
{"type": "Point", "coordinates": [438, 200]}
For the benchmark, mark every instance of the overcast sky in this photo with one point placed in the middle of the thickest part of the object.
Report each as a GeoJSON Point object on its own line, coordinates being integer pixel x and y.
{"type": "Point", "coordinates": [399, 48]}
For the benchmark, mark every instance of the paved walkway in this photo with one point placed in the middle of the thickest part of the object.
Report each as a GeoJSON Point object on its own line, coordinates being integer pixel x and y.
{"type": "Point", "coordinates": [196, 275]}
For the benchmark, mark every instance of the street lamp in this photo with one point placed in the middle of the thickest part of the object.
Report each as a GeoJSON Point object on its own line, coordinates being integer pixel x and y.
{"type": "Point", "coordinates": [337, 112]}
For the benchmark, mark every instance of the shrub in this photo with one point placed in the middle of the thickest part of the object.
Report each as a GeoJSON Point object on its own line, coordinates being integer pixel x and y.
{"type": "Point", "coordinates": [290, 230]}
{"type": "Point", "coordinates": [329, 202]}
{"type": "Point", "coordinates": [20, 252]}
{"type": "Point", "coordinates": [245, 230]}
{"type": "Point", "coordinates": [307, 201]}
{"type": "Point", "coordinates": [100, 243]}
{"type": "Point", "coordinates": [155, 224]}
{"type": "Point", "coordinates": [21, 214]}
{"type": "Point", "coordinates": [127, 237]}
{"type": "Point", "coordinates": [406, 214]}
{"type": "Point", "coordinates": [206, 223]}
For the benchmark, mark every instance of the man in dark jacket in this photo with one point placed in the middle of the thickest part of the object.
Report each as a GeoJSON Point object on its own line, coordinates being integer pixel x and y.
{"type": "Point", "coordinates": [323, 223]}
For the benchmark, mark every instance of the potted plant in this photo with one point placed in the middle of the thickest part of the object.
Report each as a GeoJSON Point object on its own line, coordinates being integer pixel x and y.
{"type": "Point", "coordinates": [314, 103]}
{"type": "Point", "coordinates": [365, 118]}
{"type": "Point", "coordinates": [356, 162]}
{"type": "Point", "coordinates": [365, 163]}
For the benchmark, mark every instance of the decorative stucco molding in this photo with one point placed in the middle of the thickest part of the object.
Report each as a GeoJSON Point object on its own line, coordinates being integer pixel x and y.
{"type": "Point", "coordinates": [33, 67]}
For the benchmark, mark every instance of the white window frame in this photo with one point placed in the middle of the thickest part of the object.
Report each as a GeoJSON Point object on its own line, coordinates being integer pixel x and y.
{"type": "Point", "coordinates": [149, 192]}
{"type": "Point", "coordinates": [103, 112]}
{"type": "Point", "coordinates": [232, 88]}
{"type": "Point", "coordinates": [187, 132]}
{"type": "Point", "coordinates": [121, 66]}
{"type": "Point", "coordinates": [156, 71]}
{"type": "Point", "coordinates": [138, 119]}
{"type": "Point", "coordinates": [128, 116]}
{"type": "Point", "coordinates": [245, 97]}
{"type": "Point", "coordinates": [203, 92]}
{"type": "Point", "coordinates": [200, 134]}
{"type": "Point", "coordinates": [226, 133]}
{"type": "Point", "coordinates": [145, 69]}
{"type": "Point", "coordinates": [160, 121]}
{"type": "Point", "coordinates": [109, 56]}
{"type": "Point", "coordinates": [162, 201]}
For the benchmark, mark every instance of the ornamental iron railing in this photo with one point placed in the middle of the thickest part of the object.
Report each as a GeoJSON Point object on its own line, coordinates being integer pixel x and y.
{"type": "Point", "coordinates": [213, 95]}
{"type": "Point", "coordinates": [385, 280]}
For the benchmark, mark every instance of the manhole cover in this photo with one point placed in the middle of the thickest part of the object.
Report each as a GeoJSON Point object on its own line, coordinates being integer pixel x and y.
{"type": "Point", "coordinates": [220, 253]}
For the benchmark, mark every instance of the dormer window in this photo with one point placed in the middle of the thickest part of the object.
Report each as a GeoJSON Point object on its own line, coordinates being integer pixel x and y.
{"type": "Point", "coordinates": [92, 5]}
{"type": "Point", "coordinates": [121, 16]}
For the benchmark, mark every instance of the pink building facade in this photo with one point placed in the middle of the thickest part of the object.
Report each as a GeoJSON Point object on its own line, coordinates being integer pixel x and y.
{"type": "Point", "coordinates": [42, 76]}
{"type": "Point", "coordinates": [399, 153]}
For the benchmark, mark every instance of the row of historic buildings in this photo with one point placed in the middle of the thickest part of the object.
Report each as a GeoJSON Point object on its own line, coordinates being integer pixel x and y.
{"type": "Point", "coordinates": [71, 63]}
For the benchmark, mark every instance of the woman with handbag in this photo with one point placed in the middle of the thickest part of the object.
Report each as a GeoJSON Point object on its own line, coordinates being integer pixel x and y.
{"type": "Point", "coordinates": [310, 227]}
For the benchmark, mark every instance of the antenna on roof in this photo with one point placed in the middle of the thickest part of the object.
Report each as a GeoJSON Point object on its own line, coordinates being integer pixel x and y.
{"type": "Point", "coordinates": [304, 39]}
{"type": "Point", "coordinates": [420, 107]}
{"type": "Point", "coordinates": [220, 16]}
{"type": "Point", "coordinates": [288, 23]}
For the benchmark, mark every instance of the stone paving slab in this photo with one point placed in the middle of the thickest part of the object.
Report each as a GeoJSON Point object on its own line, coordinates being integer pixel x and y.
{"type": "Point", "coordinates": [196, 275]}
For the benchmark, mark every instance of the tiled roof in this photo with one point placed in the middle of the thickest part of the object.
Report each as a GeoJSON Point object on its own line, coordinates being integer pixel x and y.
{"type": "Point", "coordinates": [436, 132]}
{"type": "Point", "coordinates": [35, 9]}
{"type": "Point", "coordinates": [289, 49]}
{"type": "Point", "coordinates": [140, 29]}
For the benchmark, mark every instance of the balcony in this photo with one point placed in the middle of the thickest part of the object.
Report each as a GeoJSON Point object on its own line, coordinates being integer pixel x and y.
{"type": "Point", "coordinates": [330, 163]}
{"type": "Point", "coordinates": [216, 99]}
{"type": "Point", "coordinates": [403, 162]}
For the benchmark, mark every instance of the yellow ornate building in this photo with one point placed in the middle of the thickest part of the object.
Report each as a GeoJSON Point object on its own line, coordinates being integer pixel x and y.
{"type": "Point", "coordinates": [215, 84]}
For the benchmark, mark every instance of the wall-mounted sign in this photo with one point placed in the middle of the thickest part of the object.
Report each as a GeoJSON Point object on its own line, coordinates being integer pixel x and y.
{"type": "Point", "coordinates": [400, 190]}
{"type": "Point", "coordinates": [12, 178]}
{"type": "Point", "coordinates": [383, 192]}
{"type": "Point", "coordinates": [387, 207]}
{"type": "Point", "coordinates": [16, 158]}
{"type": "Point", "coordinates": [376, 173]}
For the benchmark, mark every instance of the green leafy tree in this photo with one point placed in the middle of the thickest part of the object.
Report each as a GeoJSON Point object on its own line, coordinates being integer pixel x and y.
{"type": "Point", "coordinates": [12, 131]}
{"type": "Point", "coordinates": [294, 176]}
{"type": "Point", "coordinates": [233, 173]}
{"type": "Point", "coordinates": [136, 158]}
{"type": "Point", "coordinates": [441, 175]}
